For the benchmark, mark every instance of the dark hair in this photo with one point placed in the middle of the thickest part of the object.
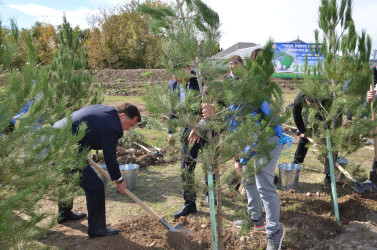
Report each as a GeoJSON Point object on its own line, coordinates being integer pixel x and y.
{"type": "Point", "coordinates": [255, 53]}
{"type": "Point", "coordinates": [236, 58]}
{"type": "Point", "coordinates": [130, 110]}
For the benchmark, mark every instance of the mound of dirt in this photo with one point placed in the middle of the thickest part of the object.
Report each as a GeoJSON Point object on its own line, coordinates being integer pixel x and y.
{"type": "Point", "coordinates": [141, 157]}
{"type": "Point", "coordinates": [131, 77]}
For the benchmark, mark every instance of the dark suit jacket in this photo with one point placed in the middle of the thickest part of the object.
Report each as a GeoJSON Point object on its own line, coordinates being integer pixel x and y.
{"type": "Point", "coordinates": [192, 84]}
{"type": "Point", "coordinates": [103, 132]}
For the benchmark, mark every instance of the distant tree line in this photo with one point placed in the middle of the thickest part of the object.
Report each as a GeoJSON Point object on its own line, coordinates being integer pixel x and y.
{"type": "Point", "coordinates": [118, 38]}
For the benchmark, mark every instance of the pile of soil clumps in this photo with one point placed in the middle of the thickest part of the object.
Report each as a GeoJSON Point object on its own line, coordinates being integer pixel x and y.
{"type": "Point", "coordinates": [139, 156]}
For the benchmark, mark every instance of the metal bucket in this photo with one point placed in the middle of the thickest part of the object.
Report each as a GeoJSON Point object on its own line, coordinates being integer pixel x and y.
{"type": "Point", "coordinates": [288, 175]}
{"type": "Point", "coordinates": [103, 178]}
{"type": "Point", "coordinates": [129, 173]}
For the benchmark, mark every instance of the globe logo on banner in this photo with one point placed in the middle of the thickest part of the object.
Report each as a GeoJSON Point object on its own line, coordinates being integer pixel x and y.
{"type": "Point", "coordinates": [290, 57]}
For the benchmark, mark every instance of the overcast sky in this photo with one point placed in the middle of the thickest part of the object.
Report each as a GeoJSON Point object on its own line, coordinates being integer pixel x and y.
{"type": "Point", "coordinates": [241, 20]}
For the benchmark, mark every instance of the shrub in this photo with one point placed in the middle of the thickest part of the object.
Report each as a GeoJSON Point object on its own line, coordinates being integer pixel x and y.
{"type": "Point", "coordinates": [146, 74]}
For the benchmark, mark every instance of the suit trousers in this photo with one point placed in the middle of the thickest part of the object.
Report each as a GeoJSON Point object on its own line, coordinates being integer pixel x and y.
{"type": "Point", "coordinates": [95, 200]}
{"type": "Point", "coordinates": [188, 163]}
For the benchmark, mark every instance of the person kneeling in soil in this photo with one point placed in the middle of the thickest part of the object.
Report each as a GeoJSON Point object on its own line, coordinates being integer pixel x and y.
{"type": "Point", "coordinates": [105, 125]}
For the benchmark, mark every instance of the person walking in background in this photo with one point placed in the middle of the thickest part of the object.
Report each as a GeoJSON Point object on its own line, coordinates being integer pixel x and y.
{"type": "Point", "coordinates": [105, 125]}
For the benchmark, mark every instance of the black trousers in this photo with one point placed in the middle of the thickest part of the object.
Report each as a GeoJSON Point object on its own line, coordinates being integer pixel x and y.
{"type": "Point", "coordinates": [95, 200]}
{"type": "Point", "coordinates": [302, 150]}
{"type": "Point", "coordinates": [189, 157]}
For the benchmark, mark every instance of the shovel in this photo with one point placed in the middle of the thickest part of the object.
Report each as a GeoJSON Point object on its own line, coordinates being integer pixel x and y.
{"type": "Point", "coordinates": [358, 187]}
{"type": "Point", "coordinates": [177, 227]}
{"type": "Point", "coordinates": [157, 153]}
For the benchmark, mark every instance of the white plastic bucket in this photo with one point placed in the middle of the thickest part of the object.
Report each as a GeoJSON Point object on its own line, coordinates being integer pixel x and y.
{"type": "Point", "coordinates": [129, 173]}
{"type": "Point", "coordinates": [288, 175]}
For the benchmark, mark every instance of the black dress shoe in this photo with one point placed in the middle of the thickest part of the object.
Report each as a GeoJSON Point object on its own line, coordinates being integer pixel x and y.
{"type": "Point", "coordinates": [70, 216]}
{"type": "Point", "coordinates": [103, 232]}
{"type": "Point", "coordinates": [186, 210]}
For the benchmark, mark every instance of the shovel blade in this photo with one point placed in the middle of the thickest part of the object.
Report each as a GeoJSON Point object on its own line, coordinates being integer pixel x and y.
{"type": "Point", "coordinates": [358, 188]}
{"type": "Point", "coordinates": [178, 226]}
{"type": "Point", "coordinates": [369, 186]}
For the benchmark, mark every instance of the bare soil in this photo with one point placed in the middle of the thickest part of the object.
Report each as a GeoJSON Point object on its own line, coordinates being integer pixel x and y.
{"type": "Point", "coordinates": [312, 226]}
{"type": "Point", "coordinates": [306, 213]}
{"type": "Point", "coordinates": [141, 157]}
{"type": "Point", "coordinates": [129, 81]}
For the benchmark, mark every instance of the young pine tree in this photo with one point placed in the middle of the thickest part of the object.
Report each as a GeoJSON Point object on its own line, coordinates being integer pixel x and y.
{"type": "Point", "coordinates": [36, 161]}
{"type": "Point", "coordinates": [191, 31]}
{"type": "Point", "coordinates": [340, 82]}
{"type": "Point", "coordinates": [72, 82]}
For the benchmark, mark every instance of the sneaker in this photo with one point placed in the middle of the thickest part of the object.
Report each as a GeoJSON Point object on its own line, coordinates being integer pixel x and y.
{"type": "Point", "coordinates": [275, 240]}
{"type": "Point", "coordinates": [257, 225]}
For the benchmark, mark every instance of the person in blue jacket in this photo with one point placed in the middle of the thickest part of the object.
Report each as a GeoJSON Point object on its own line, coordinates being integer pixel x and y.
{"type": "Point", "coordinates": [105, 125]}
{"type": "Point", "coordinates": [260, 189]}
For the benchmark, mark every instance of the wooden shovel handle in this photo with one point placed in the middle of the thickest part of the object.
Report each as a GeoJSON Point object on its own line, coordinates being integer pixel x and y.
{"type": "Point", "coordinates": [129, 193]}
{"type": "Point", "coordinates": [345, 172]}
{"type": "Point", "coordinates": [145, 148]}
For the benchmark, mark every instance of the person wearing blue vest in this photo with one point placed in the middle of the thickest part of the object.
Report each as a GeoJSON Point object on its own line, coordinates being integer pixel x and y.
{"type": "Point", "coordinates": [105, 126]}
{"type": "Point", "coordinates": [260, 189]}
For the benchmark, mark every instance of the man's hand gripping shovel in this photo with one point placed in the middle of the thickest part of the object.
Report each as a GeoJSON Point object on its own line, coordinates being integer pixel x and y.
{"type": "Point", "coordinates": [177, 227]}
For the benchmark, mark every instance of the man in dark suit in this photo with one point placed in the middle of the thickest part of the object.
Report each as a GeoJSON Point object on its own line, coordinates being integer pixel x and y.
{"type": "Point", "coordinates": [188, 155]}
{"type": "Point", "coordinates": [105, 125]}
